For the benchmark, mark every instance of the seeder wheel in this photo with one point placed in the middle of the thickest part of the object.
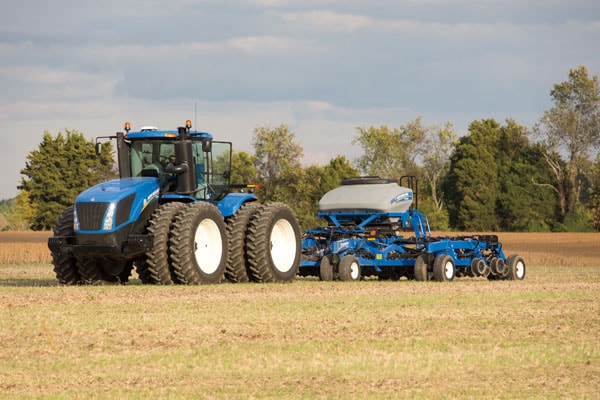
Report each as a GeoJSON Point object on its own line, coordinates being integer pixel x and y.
{"type": "Point", "coordinates": [478, 267]}
{"type": "Point", "coordinates": [443, 268]}
{"type": "Point", "coordinates": [515, 267]}
{"type": "Point", "coordinates": [421, 273]}
{"type": "Point", "coordinates": [349, 269]}
{"type": "Point", "coordinates": [326, 269]}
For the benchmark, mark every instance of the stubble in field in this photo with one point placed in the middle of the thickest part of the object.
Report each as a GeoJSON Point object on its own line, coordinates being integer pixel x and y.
{"type": "Point", "coordinates": [470, 338]}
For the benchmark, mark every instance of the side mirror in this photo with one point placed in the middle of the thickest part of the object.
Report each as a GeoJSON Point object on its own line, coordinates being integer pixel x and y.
{"type": "Point", "coordinates": [206, 145]}
{"type": "Point", "coordinates": [98, 148]}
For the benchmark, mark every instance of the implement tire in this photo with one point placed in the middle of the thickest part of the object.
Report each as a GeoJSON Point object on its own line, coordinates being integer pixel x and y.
{"type": "Point", "coordinates": [65, 266]}
{"type": "Point", "coordinates": [516, 267]}
{"type": "Point", "coordinates": [198, 244]}
{"type": "Point", "coordinates": [443, 268]}
{"type": "Point", "coordinates": [273, 244]}
{"type": "Point", "coordinates": [237, 269]}
{"type": "Point", "coordinates": [156, 267]}
{"type": "Point", "coordinates": [478, 267]}
{"type": "Point", "coordinates": [349, 268]}
{"type": "Point", "coordinates": [421, 273]}
{"type": "Point", "coordinates": [326, 270]}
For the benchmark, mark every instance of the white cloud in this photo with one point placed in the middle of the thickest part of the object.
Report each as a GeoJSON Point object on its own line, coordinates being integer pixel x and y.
{"type": "Point", "coordinates": [323, 67]}
{"type": "Point", "coordinates": [259, 45]}
{"type": "Point", "coordinates": [325, 21]}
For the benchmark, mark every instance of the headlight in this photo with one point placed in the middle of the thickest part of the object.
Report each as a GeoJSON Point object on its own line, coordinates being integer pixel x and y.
{"type": "Point", "coordinates": [75, 219]}
{"type": "Point", "coordinates": [109, 218]}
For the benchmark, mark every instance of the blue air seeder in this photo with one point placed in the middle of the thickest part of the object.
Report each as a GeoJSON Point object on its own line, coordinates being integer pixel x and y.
{"type": "Point", "coordinates": [366, 216]}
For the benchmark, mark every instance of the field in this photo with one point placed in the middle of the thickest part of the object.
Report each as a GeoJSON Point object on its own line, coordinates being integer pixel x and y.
{"type": "Point", "coordinates": [471, 338]}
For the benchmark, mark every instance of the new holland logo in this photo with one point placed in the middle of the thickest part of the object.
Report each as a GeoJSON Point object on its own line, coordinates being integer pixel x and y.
{"type": "Point", "coordinates": [151, 197]}
{"type": "Point", "coordinates": [406, 196]}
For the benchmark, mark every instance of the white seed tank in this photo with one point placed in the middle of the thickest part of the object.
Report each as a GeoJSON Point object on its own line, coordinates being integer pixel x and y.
{"type": "Point", "coordinates": [367, 194]}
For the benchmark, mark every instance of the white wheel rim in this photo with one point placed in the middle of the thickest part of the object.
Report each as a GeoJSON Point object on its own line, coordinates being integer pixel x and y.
{"type": "Point", "coordinates": [354, 271]}
{"type": "Point", "coordinates": [449, 270]}
{"type": "Point", "coordinates": [283, 245]}
{"type": "Point", "coordinates": [208, 246]}
{"type": "Point", "coordinates": [520, 270]}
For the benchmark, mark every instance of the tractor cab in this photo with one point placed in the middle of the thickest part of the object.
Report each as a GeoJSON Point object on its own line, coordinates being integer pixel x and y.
{"type": "Point", "coordinates": [186, 163]}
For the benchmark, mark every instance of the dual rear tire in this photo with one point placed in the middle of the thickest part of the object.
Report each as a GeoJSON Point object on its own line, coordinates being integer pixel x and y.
{"type": "Point", "coordinates": [259, 243]}
{"type": "Point", "coordinates": [273, 244]}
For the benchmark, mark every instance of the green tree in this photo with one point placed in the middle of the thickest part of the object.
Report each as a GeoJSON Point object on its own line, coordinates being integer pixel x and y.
{"type": "Point", "coordinates": [472, 186]}
{"type": "Point", "coordinates": [243, 169]}
{"type": "Point", "coordinates": [594, 202]}
{"type": "Point", "coordinates": [307, 192]}
{"type": "Point", "coordinates": [490, 185]}
{"type": "Point", "coordinates": [571, 129]}
{"type": "Point", "coordinates": [521, 204]}
{"type": "Point", "coordinates": [412, 149]}
{"type": "Point", "coordinates": [277, 159]}
{"type": "Point", "coordinates": [338, 169]}
{"type": "Point", "coordinates": [23, 212]}
{"type": "Point", "coordinates": [61, 168]}
{"type": "Point", "coordinates": [316, 181]}
{"type": "Point", "coordinates": [435, 152]}
{"type": "Point", "coordinates": [389, 153]}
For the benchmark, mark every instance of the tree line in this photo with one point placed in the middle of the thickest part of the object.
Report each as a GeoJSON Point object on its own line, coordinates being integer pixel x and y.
{"type": "Point", "coordinates": [497, 177]}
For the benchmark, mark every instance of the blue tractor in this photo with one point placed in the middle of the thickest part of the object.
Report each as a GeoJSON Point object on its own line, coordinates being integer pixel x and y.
{"type": "Point", "coordinates": [174, 215]}
{"type": "Point", "coordinates": [366, 220]}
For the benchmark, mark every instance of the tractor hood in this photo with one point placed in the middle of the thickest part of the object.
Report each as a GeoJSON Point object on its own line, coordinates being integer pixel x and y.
{"type": "Point", "coordinates": [110, 205]}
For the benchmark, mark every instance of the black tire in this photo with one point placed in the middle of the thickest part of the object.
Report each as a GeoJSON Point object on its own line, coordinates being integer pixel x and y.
{"type": "Point", "coordinates": [198, 244]}
{"type": "Point", "coordinates": [326, 269]}
{"type": "Point", "coordinates": [126, 272]}
{"type": "Point", "coordinates": [486, 271]}
{"type": "Point", "coordinates": [156, 266]}
{"type": "Point", "coordinates": [273, 244]}
{"type": "Point", "coordinates": [142, 271]}
{"type": "Point", "coordinates": [65, 266]}
{"type": "Point", "coordinates": [421, 273]}
{"type": "Point", "coordinates": [237, 269]}
{"type": "Point", "coordinates": [498, 268]}
{"type": "Point", "coordinates": [443, 268]}
{"type": "Point", "coordinates": [477, 267]}
{"type": "Point", "coordinates": [503, 270]}
{"type": "Point", "coordinates": [349, 268]}
{"type": "Point", "coordinates": [92, 272]}
{"type": "Point", "coordinates": [515, 267]}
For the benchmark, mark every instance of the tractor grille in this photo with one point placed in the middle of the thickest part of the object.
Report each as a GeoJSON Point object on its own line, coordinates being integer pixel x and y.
{"type": "Point", "coordinates": [91, 215]}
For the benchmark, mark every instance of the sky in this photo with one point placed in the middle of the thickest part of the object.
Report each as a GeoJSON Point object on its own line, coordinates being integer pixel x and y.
{"type": "Point", "coordinates": [324, 68]}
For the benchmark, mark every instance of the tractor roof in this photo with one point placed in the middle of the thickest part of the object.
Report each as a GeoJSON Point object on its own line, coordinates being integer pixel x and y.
{"type": "Point", "coordinates": [172, 134]}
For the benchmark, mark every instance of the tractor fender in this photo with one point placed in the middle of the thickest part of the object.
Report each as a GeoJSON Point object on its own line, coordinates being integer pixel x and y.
{"type": "Point", "coordinates": [230, 204]}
